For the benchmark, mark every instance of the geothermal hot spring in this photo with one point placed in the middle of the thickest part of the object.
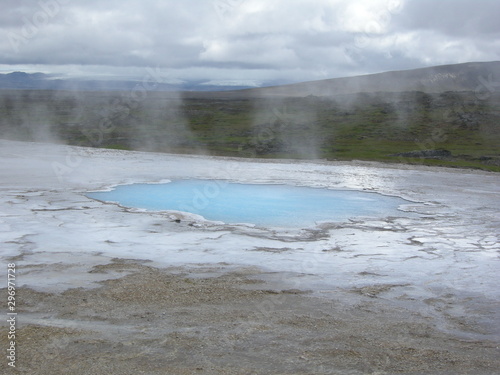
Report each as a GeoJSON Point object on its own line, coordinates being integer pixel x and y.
{"type": "Point", "coordinates": [422, 240]}
{"type": "Point", "coordinates": [259, 204]}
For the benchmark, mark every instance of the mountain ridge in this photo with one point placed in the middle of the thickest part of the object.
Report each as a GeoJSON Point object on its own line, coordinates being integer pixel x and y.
{"type": "Point", "coordinates": [471, 76]}
{"type": "Point", "coordinates": [41, 81]}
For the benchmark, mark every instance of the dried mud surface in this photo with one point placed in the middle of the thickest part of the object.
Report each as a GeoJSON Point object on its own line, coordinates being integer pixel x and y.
{"type": "Point", "coordinates": [171, 321]}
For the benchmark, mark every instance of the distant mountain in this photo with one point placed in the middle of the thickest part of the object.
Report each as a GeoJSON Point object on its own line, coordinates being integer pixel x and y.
{"type": "Point", "coordinates": [40, 81]}
{"type": "Point", "coordinates": [21, 80]}
{"type": "Point", "coordinates": [477, 76]}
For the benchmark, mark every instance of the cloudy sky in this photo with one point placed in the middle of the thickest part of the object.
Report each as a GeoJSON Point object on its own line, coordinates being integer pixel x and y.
{"type": "Point", "coordinates": [252, 41]}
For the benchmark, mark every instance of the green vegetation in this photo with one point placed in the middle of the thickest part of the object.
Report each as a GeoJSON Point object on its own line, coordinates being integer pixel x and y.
{"type": "Point", "coordinates": [382, 126]}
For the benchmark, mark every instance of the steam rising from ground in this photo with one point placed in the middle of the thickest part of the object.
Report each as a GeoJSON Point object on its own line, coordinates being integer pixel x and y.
{"type": "Point", "coordinates": [285, 126]}
{"type": "Point", "coordinates": [158, 124]}
{"type": "Point", "coordinates": [141, 120]}
{"type": "Point", "coordinates": [304, 121]}
{"type": "Point", "coordinates": [25, 117]}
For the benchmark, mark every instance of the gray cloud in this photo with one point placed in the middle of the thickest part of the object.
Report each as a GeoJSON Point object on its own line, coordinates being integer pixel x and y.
{"type": "Point", "coordinates": [454, 18]}
{"type": "Point", "coordinates": [291, 40]}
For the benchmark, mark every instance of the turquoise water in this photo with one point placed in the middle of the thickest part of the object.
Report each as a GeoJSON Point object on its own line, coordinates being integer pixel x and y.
{"type": "Point", "coordinates": [265, 205]}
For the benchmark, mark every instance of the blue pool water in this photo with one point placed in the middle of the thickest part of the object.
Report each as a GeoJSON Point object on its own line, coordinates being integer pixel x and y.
{"type": "Point", "coordinates": [266, 205]}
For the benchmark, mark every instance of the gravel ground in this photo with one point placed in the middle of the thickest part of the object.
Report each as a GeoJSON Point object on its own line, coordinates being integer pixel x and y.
{"type": "Point", "coordinates": [223, 320]}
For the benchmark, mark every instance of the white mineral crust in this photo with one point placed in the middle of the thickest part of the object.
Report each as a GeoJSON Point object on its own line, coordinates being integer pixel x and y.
{"type": "Point", "coordinates": [447, 248]}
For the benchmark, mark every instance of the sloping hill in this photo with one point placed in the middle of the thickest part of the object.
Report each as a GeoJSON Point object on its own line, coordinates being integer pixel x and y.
{"type": "Point", "coordinates": [458, 77]}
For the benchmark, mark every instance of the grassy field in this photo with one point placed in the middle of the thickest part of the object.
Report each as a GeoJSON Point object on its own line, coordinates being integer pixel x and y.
{"type": "Point", "coordinates": [381, 126]}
